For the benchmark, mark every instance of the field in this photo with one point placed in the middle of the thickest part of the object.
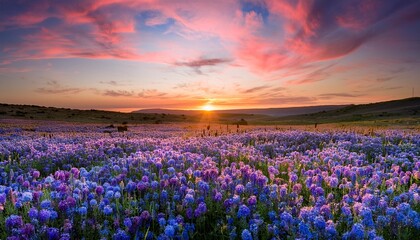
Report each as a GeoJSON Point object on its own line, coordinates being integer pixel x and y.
{"type": "Point", "coordinates": [178, 181]}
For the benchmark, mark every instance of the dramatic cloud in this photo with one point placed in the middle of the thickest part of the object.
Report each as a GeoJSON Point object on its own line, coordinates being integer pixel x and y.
{"type": "Point", "coordinates": [219, 49]}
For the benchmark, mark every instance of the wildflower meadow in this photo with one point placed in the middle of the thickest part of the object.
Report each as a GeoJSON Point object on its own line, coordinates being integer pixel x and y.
{"type": "Point", "coordinates": [80, 183]}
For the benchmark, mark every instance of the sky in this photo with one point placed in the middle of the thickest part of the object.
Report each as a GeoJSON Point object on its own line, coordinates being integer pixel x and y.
{"type": "Point", "coordinates": [125, 55]}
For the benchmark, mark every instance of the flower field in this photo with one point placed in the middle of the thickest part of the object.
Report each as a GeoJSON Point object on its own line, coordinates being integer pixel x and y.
{"type": "Point", "coordinates": [63, 182]}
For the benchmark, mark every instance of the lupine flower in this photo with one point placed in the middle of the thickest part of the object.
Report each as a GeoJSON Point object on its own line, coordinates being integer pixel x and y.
{"type": "Point", "coordinates": [170, 231]}
{"type": "Point", "coordinates": [82, 210]}
{"type": "Point", "coordinates": [44, 215]}
{"type": "Point", "coordinates": [33, 213]}
{"type": "Point", "coordinates": [243, 211]}
{"type": "Point", "coordinates": [14, 221]}
{"type": "Point", "coordinates": [108, 210]}
{"type": "Point", "coordinates": [246, 235]}
{"type": "Point", "coordinates": [121, 235]}
{"type": "Point", "coordinates": [27, 197]}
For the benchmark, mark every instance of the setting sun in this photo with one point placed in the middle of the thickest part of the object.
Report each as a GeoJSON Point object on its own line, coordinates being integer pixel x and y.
{"type": "Point", "coordinates": [208, 107]}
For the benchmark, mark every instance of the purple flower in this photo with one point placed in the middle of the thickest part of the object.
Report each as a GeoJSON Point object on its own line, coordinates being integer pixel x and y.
{"type": "Point", "coordinates": [200, 210]}
{"type": "Point", "coordinates": [293, 177]}
{"type": "Point", "coordinates": [28, 230]}
{"type": "Point", "coordinates": [333, 182]}
{"type": "Point", "coordinates": [14, 221]}
{"type": "Point", "coordinates": [65, 236]}
{"type": "Point", "coordinates": [127, 222]}
{"type": "Point", "coordinates": [33, 213]}
{"type": "Point", "coordinates": [144, 216]}
{"type": "Point", "coordinates": [44, 215]}
{"type": "Point", "coordinates": [53, 233]}
{"type": "Point", "coordinates": [67, 225]}
{"type": "Point", "coordinates": [2, 198]}
{"type": "Point", "coordinates": [239, 189]}
{"type": "Point", "coordinates": [99, 190]}
{"type": "Point", "coordinates": [218, 197]}
{"type": "Point", "coordinates": [36, 174]}
{"type": "Point", "coordinates": [319, 191]}
{"type": "Point", "coordinates": [252, 200]}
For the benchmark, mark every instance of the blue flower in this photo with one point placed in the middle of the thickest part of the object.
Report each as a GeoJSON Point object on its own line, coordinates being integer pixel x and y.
{"type": "Point", "coordinates": [357, 231]}
{"type": "Point", "coordinates": [27, 197]}
{"type": "Point", "coordinates": [127, 222]}
{"type": "Point", "coordinates": [367, 218]}
{"type": "Point", "coordinates": [44, 215]}
{"type": "Point", "coordinates": [117, 195]}
{"type": "Point", "coordinates": [46, 204]}
{"type": "Point", "coordinates": [304, 230]}
{"type": "Point", "coordinates": [331, 231]}
{"type": "Point", "coordinates": [319, 223]}
{"type": "Point", "coordinates": [53, 233]}
{"type": "Point", "coordinates": [170, 231]}
{"type": "Point", "coordinates": [286, 217]}
{"type": "Point", "coordinates": [189, 199]}
{"type": "Point", "coordinates": [33, 213]}
{"type": "Point", "coordinates": [109, 194]}
{"type": "Point", "coordinates": [53, 215]}
{"type": "Point", "coordinates": [243, 211]}
{"type": "Point", "coordinates": [246, 235]}
{"type": "Point", "coordinates": [93, 202]}
{"type": "Point", "coordinates": [82, 210]}
{"type": "Point", "coordinates": [272, 215]}
{"type": "Point", "coordinates": [162, 222]}
{"type": "Point", "coordinates": [120, 235]}
{"type": "Point", "coordinates": [107, 210]}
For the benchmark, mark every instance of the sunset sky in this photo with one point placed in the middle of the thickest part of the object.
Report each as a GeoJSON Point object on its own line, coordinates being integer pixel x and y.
{"type": "Point", "coordinates": [127, 55]}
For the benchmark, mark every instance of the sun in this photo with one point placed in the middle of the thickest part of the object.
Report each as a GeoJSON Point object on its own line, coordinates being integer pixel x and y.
{"type": "Point", "coordinates": [208, 107]}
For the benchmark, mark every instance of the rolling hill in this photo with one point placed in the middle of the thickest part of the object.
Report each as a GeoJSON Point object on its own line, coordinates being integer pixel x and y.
{"type": "Point", "coordinates": [273, 112]}
{"type": "Point", "coordinates": [403, 111]}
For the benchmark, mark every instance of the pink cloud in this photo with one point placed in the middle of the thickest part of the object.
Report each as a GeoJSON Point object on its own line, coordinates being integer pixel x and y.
{"type": "Point", "coordinates": [296, 34]}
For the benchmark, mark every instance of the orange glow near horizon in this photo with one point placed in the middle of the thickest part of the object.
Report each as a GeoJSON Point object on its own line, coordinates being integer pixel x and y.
{"type": "Point", "coordinates": [208, 107]}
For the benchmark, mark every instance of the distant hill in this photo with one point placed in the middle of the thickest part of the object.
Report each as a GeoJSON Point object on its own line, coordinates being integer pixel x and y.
{"type": "Point", "coordinates": [401, 112]}
{"type": "Point", "coordinates": [408, 108]}
{"type": "Point", "coordinates": [32, 112]}
{"type": "Point", "coordinates": [273, 112]}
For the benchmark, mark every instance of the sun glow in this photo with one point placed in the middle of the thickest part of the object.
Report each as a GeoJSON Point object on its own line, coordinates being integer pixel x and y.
{"type": "Point", "coordinates": [208, 107]}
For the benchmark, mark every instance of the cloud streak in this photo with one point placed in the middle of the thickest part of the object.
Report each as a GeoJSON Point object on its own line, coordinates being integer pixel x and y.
{"type": "Point", "coordinates": [202, 62]}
